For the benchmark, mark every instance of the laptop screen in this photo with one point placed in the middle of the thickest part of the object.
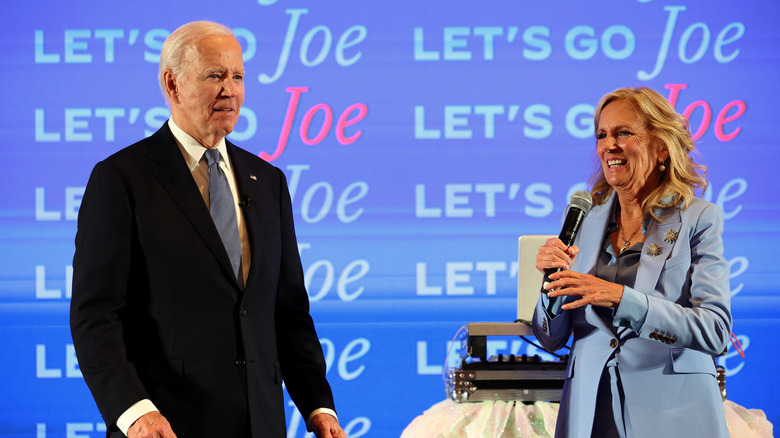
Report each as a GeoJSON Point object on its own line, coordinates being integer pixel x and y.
{"type": "Point", "coordinates": [529, 279]}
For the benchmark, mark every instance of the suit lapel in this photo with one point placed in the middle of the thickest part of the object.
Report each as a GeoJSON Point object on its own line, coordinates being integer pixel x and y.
{"type": "Point", "coordinates": [657, 248]}
{"type": "Point", "coordinates": [171, 171]}
{"type": "Point", "coordinates": [593, 233]}
{"type": "Point", "coordinates": [249, 187]}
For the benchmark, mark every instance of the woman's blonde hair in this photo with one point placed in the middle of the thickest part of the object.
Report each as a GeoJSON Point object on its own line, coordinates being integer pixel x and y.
{"type": "Point", "coordinates": [682, 175]}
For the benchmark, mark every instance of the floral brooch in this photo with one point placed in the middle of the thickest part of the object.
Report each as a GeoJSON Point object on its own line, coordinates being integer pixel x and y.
{"type": "Point", "coordinates": [671, 236]}
{"type": "Point", "coordinates": [654, 250]}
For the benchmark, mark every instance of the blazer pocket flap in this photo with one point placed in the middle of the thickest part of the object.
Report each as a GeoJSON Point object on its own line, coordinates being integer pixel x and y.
{"type": "Point", "coordinates": [685, 361]}
{"type": "Point", "coordinates": [677, 259]}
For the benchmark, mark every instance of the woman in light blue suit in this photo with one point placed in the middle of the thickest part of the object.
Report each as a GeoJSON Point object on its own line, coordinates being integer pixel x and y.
{"type": "Point", "coordinates": [644, 290]}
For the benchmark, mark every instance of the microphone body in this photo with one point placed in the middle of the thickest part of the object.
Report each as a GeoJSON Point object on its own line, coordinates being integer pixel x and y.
{"type": "Point", "coordinates": [579, 205]}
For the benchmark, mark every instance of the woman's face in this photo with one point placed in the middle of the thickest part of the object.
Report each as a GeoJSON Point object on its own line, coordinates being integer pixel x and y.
{"type": "Point", "coordinates": [628, 153]}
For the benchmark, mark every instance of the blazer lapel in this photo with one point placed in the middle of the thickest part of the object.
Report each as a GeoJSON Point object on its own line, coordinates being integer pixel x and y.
{"type": "Point", "coordinates": [593, 233]}
{"type": "Point", "coordinates": [172, 172]}
{"type": "Point", "coordinates": [249, 187]}
{"type": "Point", "coordinates": [660, 239]}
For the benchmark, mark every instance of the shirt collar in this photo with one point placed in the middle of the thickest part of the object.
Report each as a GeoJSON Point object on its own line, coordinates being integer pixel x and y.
{"type": "Point", "coordinates": [192, 150]}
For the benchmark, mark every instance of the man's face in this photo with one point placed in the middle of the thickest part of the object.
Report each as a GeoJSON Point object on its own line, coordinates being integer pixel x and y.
{"type": "Point", "coordinates": [207, 96]}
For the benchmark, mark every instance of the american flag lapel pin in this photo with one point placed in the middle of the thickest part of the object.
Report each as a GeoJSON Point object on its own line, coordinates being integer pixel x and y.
{"type": "Point", "coordinates": [254, 178]}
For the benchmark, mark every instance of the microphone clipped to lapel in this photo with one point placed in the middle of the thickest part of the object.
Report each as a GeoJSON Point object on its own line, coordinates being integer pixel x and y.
{"type": "Point", "coordinates": [247, 200]}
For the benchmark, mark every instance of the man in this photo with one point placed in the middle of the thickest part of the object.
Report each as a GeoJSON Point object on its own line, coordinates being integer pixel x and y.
{"type": "Point", "coordinates": [178, 331]}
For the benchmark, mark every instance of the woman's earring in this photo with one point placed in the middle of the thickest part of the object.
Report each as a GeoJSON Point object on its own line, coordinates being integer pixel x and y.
{"type": "Point", "coordinates": [662, 168]}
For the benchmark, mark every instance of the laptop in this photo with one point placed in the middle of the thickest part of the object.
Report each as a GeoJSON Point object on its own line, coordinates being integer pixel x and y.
{"type": "Point", "coordinates": [529, 279]}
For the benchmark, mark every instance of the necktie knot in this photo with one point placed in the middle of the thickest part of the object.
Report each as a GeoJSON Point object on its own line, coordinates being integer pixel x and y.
{"type": "Point", "coordinates": [212, 156]}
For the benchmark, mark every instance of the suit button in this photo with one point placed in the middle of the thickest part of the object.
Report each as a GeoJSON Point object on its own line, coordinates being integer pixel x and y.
{"type": "Point", "coordinates": [242, 312]}
{"type": "Point", "coordinates": [613, 343]}
{"type": "Point", "coordinates": [240, 363]}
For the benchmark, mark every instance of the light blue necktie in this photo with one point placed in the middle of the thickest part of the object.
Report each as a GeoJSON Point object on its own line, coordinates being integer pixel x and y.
{"type": "Point", "coordinates": [223, 209]}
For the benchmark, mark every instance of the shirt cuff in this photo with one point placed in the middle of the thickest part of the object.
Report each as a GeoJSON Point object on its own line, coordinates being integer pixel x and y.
{"type": "Point", "coordinates": [330, 412]}
{"type": "Point", "coordinates": [632, 309]}
{"type": "Point", "coordinates": [133, 413]}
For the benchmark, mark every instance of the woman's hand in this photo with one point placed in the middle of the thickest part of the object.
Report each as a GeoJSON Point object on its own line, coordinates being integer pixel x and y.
{"type": "Point", "coordinates": [554, 254]}
{"type": "Point", "coordinates": [593, 290]}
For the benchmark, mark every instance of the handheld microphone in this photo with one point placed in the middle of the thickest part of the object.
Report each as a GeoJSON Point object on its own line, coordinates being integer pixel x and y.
{"type": "Point", "coordinates": [579, 205]}
{"type": "Point", "coordinates": [246, 202]}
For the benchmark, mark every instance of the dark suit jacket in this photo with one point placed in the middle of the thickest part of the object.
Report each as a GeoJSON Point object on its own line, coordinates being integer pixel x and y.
{"type": "Point", "coordinates": [157, 313]}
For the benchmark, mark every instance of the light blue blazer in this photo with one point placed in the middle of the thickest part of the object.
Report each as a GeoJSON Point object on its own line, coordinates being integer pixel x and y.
{"type": "Point", "coordinates": [666, 363]}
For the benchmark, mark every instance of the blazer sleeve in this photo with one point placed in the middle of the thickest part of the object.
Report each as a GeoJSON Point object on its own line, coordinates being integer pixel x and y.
{"type": "Point", "coordinates": [101, 267]}
{"type": "Point", "coordinates": [551, 324]}
{"type": "Point", "coordinates": [303, 363]}
{"type": "Point", "coordinates": [700, 319]}
{"type": "Point", "coordinates": [552, 329]}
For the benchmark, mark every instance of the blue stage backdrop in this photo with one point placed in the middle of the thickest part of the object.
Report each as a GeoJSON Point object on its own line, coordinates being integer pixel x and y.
{"type": "Point", "coordinates": [419, 138]}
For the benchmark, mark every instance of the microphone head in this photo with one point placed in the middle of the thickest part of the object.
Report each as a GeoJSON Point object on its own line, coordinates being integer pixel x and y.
{"type": "Point", "coordinates": [582, 200]}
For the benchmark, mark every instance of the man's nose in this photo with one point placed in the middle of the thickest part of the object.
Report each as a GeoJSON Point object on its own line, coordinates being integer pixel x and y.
{"type": "Point", "coordinates": [229, 87]}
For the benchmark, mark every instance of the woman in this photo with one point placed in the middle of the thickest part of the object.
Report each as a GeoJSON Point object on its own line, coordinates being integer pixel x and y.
{"type": "Point", "coordinates": [644, 289]}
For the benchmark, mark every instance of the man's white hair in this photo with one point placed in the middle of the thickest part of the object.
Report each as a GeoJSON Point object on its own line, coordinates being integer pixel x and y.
{"type": "Point", "coordinates": [179, 48]}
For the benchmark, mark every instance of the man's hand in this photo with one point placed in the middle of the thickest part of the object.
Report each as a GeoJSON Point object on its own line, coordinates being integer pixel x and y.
{"type": "Point", "coordinates": [151, 425]}
{"type": "Point", "coordinates": [326, 426]}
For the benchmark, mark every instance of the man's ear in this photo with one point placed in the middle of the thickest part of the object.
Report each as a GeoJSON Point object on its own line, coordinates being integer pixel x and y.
{"type": "Point", "coordinates": [171, 86]}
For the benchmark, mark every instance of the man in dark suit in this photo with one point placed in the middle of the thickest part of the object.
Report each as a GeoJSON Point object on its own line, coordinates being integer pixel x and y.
{"type": "Point", "coordinates": [178, 331]}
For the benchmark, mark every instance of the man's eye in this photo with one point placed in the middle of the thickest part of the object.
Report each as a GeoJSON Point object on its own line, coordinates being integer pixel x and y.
{"type": "Point", "coordinates": [238, 77]}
